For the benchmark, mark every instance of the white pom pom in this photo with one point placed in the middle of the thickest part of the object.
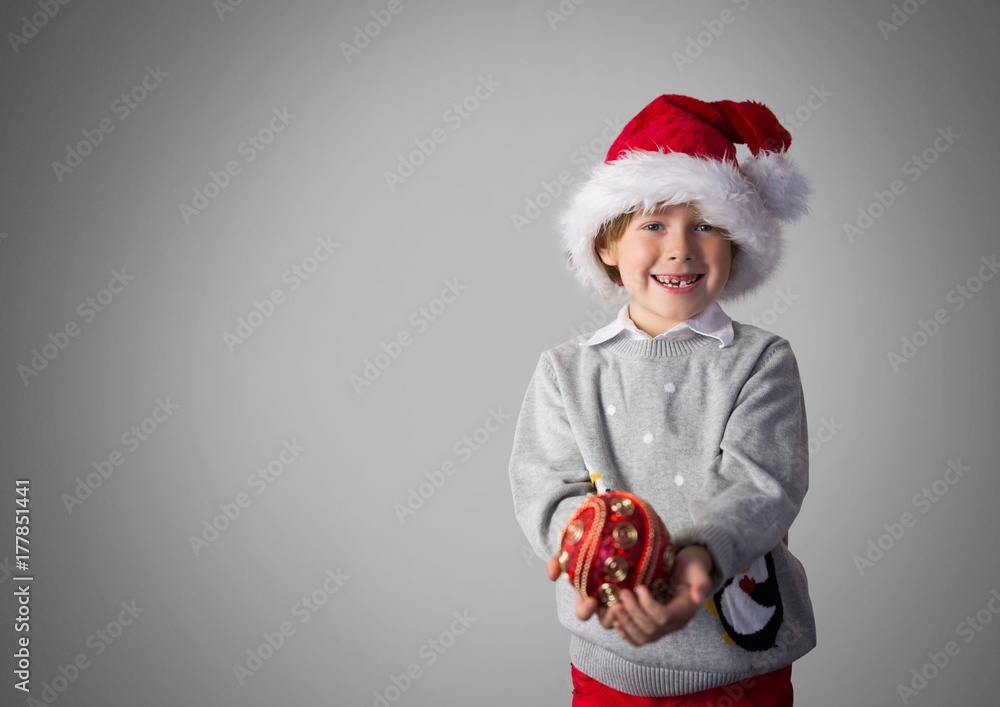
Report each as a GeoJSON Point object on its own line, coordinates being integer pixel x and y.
{"type": "Point", "coordinates": [783, 188]}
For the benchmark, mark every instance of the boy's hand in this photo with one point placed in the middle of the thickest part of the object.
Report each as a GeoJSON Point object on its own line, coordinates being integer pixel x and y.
{"type": "Point", "coordinates": [637, 616]}
{"type": "Point", "coordinates": [640, 619]}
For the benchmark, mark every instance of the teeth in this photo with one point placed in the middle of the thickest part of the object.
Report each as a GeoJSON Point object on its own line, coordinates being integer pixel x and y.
{"type": "Point", "coordinates": [674, 282]}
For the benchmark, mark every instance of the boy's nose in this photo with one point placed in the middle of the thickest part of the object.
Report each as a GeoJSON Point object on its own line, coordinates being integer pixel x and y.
{"type": "Point", "coordinates": [679, 248]}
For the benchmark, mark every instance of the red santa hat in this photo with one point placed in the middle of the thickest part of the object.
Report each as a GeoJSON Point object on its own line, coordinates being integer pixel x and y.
{"type": "Point", "coordinates": [682, 150]}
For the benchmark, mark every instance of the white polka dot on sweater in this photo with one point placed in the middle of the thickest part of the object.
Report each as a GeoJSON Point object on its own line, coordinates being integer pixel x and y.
{"type": "Point", "coordinates": [670, 387]}
{"type": "Point", "coordinates": [679, 480]}
{"type": "Point", "coordinates": [648, 437]}
{"type": "Point", "coordinates": [611, 409]}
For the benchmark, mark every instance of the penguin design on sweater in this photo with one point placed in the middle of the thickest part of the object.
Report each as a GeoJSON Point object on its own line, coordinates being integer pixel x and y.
{"type": "Point", "coordinates": [749, 606]}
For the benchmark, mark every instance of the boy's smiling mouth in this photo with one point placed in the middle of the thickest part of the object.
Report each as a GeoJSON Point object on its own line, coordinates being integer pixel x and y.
{"type": "Point", "coordinates": [679, 282]}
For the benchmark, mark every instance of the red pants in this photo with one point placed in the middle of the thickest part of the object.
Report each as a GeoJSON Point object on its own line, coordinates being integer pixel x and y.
{"type": "Point", "coordinates": [768, 690]}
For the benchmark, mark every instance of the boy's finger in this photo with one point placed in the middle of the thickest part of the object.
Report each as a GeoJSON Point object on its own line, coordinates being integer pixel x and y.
{"type": "Point", "coordinates": [607, 616]}
{"type": "Point", "coordinates": [640, 621]}
{"type": "Point", "coordinates": [552, 565]}
{"type": "Point", "coordinates": [585, 608]}
{"type": "Point", "coordinates": [700, 585]}
{"type": "Point", "coordinates": [629, 629]}
{"type": "Point", "coordinates": [653, 608]}
{"type": "Point", "coordinates": [680, 611]}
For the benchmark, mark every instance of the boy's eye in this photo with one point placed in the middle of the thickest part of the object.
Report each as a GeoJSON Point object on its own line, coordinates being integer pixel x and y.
{"type": "Point", "coordinates": [701, 227]}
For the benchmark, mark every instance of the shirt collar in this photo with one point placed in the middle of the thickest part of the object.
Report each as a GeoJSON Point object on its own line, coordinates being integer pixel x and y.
{"type": "Point", "coordinates": [712, 321]}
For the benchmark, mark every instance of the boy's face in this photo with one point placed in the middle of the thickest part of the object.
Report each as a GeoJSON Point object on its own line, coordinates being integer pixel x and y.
{"type": "Point", "coordinates": [672, 243]}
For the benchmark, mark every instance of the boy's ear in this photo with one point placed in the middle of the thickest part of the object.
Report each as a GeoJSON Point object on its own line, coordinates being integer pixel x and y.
{"type": "Point", "coordinates": [608, 256]}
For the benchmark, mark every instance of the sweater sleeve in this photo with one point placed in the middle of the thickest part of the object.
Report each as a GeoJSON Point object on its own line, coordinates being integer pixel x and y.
{"type": "Point", "coordinates": [761, 473]}
{"type": "Point", "coordinates": [547, 472]}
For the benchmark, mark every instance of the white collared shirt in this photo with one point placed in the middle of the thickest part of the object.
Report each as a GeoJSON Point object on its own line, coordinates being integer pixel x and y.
{"type": "Point", "coordinates": [711, 321]}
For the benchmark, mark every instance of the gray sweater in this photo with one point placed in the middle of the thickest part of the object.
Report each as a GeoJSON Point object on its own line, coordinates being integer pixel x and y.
{"type": "Point", "coordinates": [716, 440]}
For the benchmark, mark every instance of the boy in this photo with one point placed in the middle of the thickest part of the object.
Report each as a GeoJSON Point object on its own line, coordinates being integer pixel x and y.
{"type": "Point", "coordinates": [701, 416]}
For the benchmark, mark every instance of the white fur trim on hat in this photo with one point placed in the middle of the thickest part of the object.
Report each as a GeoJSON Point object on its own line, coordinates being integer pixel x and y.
{"type": "Point", "coordinates": [750, 202]}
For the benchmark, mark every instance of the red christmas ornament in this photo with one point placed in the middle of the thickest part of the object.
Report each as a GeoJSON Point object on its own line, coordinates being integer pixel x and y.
{"type": "Point", "coordinates": [613, 541]}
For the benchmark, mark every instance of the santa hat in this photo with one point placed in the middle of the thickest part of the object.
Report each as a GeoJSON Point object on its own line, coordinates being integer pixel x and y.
{"type": "Point", "coordinates": [682, 150]}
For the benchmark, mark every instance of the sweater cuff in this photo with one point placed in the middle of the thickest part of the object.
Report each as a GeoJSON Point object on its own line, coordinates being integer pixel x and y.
{"type": "Point", "coordinates": [714, 539]}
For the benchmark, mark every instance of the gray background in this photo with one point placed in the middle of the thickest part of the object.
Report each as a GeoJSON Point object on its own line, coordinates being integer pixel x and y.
{"type": "Point", "coordinates": [557, 79]}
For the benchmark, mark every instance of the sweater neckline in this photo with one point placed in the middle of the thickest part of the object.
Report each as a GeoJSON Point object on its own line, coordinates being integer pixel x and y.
{"type": "Point", "coordinates": [656, 348]}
